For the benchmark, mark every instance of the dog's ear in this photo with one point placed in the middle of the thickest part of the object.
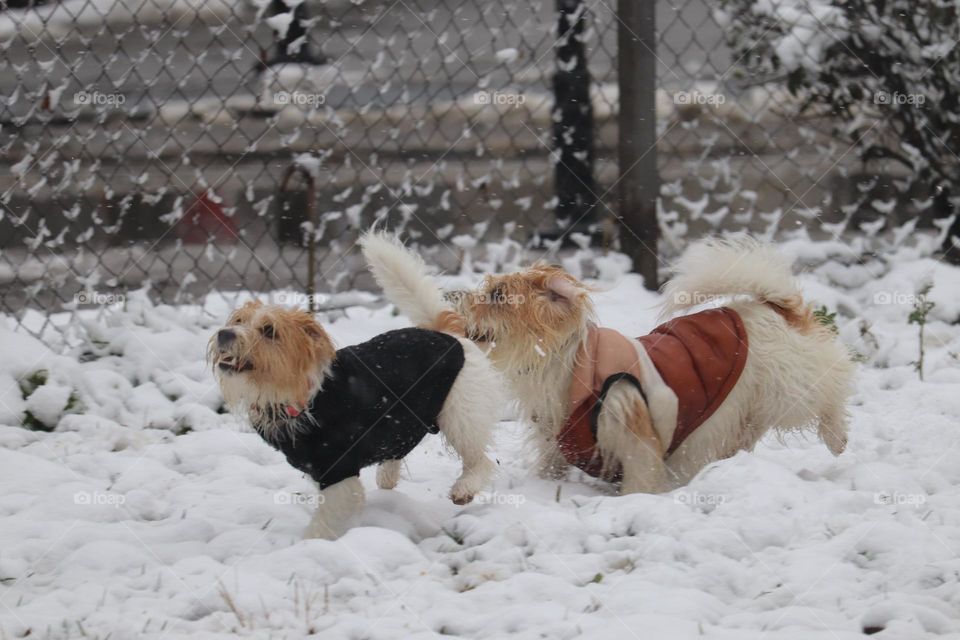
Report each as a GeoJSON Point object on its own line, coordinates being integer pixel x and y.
{"type": "Point", "coordinates": [314, 330]}
{"type": "Point", "coordinates": [322, 344]}
{"type": "Point", "coordinates": [251, 305]}
{"type": "Point", "coordinates": [245, 312]}
{"type": "Point", "coordinates": [564, 288]}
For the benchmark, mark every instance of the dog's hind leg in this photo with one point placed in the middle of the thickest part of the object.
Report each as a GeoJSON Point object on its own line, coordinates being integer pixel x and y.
{"type": "Point", "coordinates": [833, 406]}
{"type": "Point", "coordinates": [834, 371]}
{"type": "Point", "coordinates": [388, 474]}
{"type": "Point", "coordinates": [337, 506]}
{"type": "Point", "coordinates": [469, 414]}
{"type": "Point", "coordinates": [832, 430]}
{"type": "Point", "coordinates": [626, 438]}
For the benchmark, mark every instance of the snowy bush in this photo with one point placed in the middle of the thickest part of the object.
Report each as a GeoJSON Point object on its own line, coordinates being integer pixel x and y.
{"type": "Point", "coordinates": [888, 71]}
{"type": "Point", "coordinates": [36, 390]}
{"type": "Point", "coordinates": [46, 401]}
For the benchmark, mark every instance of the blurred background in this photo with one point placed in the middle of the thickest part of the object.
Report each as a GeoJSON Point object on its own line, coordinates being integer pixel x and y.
{"type": "Point", "coordinates": [190, 146]}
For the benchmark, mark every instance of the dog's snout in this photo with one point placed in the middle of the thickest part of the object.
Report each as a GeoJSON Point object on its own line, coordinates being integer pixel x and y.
{"type": "Point", "coordinates": [225, 337]}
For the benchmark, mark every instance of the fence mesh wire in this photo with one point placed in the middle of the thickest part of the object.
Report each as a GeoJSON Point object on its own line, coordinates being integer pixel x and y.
{"type": "Point", "coordinates": [152, 141]}
{"type": "Point", "coordinates": [736, 150]}
{"type": "Point", "coordinates": [172, 142]}
{"type": "Point", "coordinates": [744, 145]}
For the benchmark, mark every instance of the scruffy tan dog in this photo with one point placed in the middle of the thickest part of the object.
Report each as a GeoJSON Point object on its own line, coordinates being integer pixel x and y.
{"type": "Point", "coordinates": [652, 411]}
{"type": "Point", "coordinates": [333, 412]}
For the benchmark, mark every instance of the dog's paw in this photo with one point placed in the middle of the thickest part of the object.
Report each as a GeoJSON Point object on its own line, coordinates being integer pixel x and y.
{"type": "Point", "coordinates": [837, 446]}
{"type": "Point", "coordinates": [472, 481]}
{"type": "Point", "coordinates": [461, 493]}
{"type": "Point", "coordinates": [835, 437]}
{"type": "Point", "coordinates": [461, 498]}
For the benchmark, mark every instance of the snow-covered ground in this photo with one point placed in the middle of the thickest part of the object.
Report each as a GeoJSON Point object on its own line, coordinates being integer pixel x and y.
{"type": "Point", "coordinates": [148, 513]}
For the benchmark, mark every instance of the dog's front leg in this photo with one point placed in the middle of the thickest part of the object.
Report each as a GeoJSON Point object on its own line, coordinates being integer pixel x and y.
{"type": "Point", "coordinates": [551, 465]}
{"type": "Point", "coordinates": [467, 420]}
{"type": "Point", "coordinates": [388, 474]}
{"type": "Point", "coordinates": [337, 505]}
{"type": "Point", "coordinates": [643, 471]}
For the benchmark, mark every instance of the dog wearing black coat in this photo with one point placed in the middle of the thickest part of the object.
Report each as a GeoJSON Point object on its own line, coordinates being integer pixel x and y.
{"type": "Point", "coordinates": [332, 413]}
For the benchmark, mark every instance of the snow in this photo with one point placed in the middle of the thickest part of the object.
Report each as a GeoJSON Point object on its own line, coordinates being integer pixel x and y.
{"type": "Point", "coordinates": [280, 23]}
{"type": "Point", "coordinates": [810, 27]}
{"type": "Point", "coordinates": [309, 163]}
{"type": "Point", "coordinates": [507, 56]}
{"type": "Point", "coordinates": [148, 513]}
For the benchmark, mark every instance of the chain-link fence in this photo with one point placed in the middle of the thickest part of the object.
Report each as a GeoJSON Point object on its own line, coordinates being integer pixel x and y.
{"type": "Point", "coordinates": [197, 146]}
{"type": "Point", "coordinates": [789, 116]}
{"type": "Point", "coordinates": [735, 150]}
{"type": "Point", "coordinates": [177, 143]}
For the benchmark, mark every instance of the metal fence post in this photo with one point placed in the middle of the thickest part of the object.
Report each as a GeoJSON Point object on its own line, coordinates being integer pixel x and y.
{"type": "Point", "coordinates": [573, 122]}
{"type": "Point", "coordinates": [639, 181]}
{"type": "Point", "coordinates": [312, 219]}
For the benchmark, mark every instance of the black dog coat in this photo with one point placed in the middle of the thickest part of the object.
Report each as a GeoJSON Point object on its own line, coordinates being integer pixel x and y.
{"type": "Point", "coordinates": [379, 400]}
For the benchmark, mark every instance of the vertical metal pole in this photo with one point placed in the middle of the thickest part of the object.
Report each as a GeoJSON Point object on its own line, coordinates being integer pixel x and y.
{"type": "Point", "coordinates": [313, 217]}
{"type": "Point", "coordinates": [312, 244]}
{"type": "Point", "coordinates": [945, 205]}
{"type": "Point", "coordinates": [573, 121]}
{"type": "Point", "coordinates": [639, 183]}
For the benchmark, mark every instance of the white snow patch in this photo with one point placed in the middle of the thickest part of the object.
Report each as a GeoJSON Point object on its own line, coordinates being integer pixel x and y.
{"type": "Point", "coordinates": [114, 524]}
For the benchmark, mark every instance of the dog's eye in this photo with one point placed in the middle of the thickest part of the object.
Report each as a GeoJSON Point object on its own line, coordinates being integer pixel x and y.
{"type": "Point", "coordinates": [268, 331]}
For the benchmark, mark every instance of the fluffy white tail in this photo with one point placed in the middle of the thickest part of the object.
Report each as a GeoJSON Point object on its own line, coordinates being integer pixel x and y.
{"type": "Point", "coordinates": [406, 282]}
{"type": "Point", "coordinates": [718, 268]}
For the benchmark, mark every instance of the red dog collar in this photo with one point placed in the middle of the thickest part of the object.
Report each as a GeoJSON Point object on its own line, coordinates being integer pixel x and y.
{"type": "Point", "coordinates": [290, 410]}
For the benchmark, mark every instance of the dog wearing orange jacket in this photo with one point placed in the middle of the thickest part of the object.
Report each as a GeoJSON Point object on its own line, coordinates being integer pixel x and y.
{"type": "Point", "coordinates": [651, 412]}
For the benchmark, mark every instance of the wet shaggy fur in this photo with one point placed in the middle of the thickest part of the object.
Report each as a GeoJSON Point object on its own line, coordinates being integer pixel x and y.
{"type": "Point", "coordinates": [271, 362]}
{"type": "Point", "coordinates": [797, 376]}
{"type": "Point", "coordinates": [290, 350]}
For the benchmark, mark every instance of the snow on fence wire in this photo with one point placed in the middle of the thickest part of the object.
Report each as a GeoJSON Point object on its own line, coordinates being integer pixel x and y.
{"type": "Point", "coordinates": [814, 117]}
{"type": "Point", "coordinates": [736, 148]}
{"type": "Point", "coordinates": [175, 144]}
{"type": "Point", "coordinates": [192, 146]}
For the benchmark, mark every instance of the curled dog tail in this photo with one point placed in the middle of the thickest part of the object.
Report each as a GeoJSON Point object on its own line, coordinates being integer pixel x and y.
{"type": "Point", "coordinates": [406, 282]}
{"type": "Point", "coordinates": [719, 268]}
